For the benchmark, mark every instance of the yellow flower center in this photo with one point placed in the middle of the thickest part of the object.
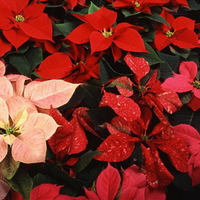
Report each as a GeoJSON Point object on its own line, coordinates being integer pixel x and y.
{"type": "Point", "coordinates": [196, 84]}
{"type": "Point", "coordinates": [106, 33]}
{"type": "Point", "coordinates": [169, 33]}
{"type": "Point", "coordinates": [19, 18]}
{"type": "Point", "coordinates": [142, 88]}
{"type": "Point", "coordinates": [137, 5]}
{"type": "Point", "coordinates": [145, 138]}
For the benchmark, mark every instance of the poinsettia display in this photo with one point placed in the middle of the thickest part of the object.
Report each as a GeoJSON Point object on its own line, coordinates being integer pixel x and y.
{"type": "Point", "coordinates": [99, 100]}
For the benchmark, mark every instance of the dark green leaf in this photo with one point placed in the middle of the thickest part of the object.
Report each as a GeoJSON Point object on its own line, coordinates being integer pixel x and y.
{"type": "Point", "coordinates": [156, 17]}
{"type": "Point", "coordinates": [92, 96]}
{"type": "Point", "coordinates": [92, 8]}
{"type": "Point", "coordinates": [128, 13]}
{"type": "Point", "coordinates": [84, 160]}
{"type": "Point", "coordinates": [193, 5]}
{"type": "Point", "coordinates": [151, 57]}
{"type": "Point", "coordinates": [9, 166]}
{"type": "Point", "coordinates": [187, 116]}
{"type": "Point", "coordinates": [101, 115]}
{"type": "Point", "coordinates": [22, 183]}
{"type": "Point", "coordinates": [170, 65]}
{"type": "Point", "coordinates": [56, 172]}
{"type": "Point", "coordinates": [20, 62]}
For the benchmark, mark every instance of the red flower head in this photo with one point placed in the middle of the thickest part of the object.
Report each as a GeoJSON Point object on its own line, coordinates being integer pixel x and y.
{"type": "Point", "coordinates": [179, 32]}
{"type": "Point", "coordinates": [139, 5]}
{"type": "Point", "coordinates": [20, 21]}
{"type": "Point", "coordinates": [99, 30]}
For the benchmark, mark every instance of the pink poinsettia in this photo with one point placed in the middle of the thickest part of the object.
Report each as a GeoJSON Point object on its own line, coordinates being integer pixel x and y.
{"type": "Point", "coordinates": [24, 131]}
{"type": "Point", "coordinates": [132, 185]}
{"type": "Point", "coordinates": [44, 191]}
{"type": "Point", "coordinates": [192, 139]}
{"type": "Point", "coordinates": [185, 81]}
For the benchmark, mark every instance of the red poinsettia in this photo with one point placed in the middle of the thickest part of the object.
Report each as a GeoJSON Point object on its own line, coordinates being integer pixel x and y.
{"type": "Point", "coordinates": [124, 134]}
{"type": "Point", "coordinates": [152, 93]}
{"type": "Point", "coordinates": [20, 21]}
{"type": "Point", "coordinates": [84, 67]}
{"type": "Point", "coordinates": [139, 5]}
{"type": "Point", "coordinates": [70, 137]}
{"type": "Point", "coordinates": [45, 191]}
{"type": "Point", "coordinates": [104, 34]}
{"type": "Point", "coordinates": [185, 81]}
{"type": "Point", "coordinates": [180, 32]}
{"type": "Point", "coordinates": [69, 4]}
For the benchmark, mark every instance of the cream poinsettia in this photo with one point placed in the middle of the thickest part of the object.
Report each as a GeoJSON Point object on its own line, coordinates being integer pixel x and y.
{"type": "Point", "coordinates": [42, 94]}
{"type": "Point", "coordinates": [24, 131]}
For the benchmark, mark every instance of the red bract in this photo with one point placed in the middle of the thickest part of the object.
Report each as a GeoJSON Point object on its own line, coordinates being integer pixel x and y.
{"type": "Point", "coordinates": [69, 4]}
{"type": "Point", "coordinates": [139, 5]}
{"type": "Point", "coordinates": [21, 21]}
{"type": "Point", "coordinates": [152, 93]}
{"type": "Point", "coordinates": [103, 34]}
{"type": "Point", "coordinates": [180, 32]}
{"type": "Point", "coordinates": [123, 106]}
{"type": "Point", "coordinates": [69, 138]}
{"type": "Point", "coordinates": [85, 67]}
{"type": "Point", "coordinates": [120, 144]}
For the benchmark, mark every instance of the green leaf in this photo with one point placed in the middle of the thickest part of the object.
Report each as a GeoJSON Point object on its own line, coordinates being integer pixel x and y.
{"type": "Point", "coordinates": [22, 183]}
{"type": "Point", "coordinates": [155, 17]}
{"type": "Point", "coordinates": [92, 96]}
{"type": "Point", "coordinates": [84, 160]}
{"type": "Point", "coordinates": [193, 5]}
{"type": "Point", "coordinates": [65, 28]}
{"type": "Point", "coordinates": [26, 62]}
{"type": "Point", "coordinates": [93, 8]}
{"type": "Point", "coordinates": [187, 116]}
{"type": "Point", "coordinates": [170, 65]}
{"type": "Point", "coordinates": [101, 115]}
{"type": "Point", "coordinates": [151, 57]}
{"type": "Point", "coordinates": [61, 175]}
{"type": "Point", "coordinates": [128, 13]}
{"type": "Point", "coordinates": [9, 166]}
{"type": "Point", "coordinates": [42, 179]}
{"type": "Point", "coordinates": [34, 57]}
{"type": "Point", "coordinates": [20, 62]}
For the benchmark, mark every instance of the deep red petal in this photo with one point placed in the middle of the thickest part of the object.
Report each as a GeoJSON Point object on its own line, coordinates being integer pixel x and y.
{"type": "Point", "coordinates": [39, 28]}
{"type": "Point", "coordinates": [55, 66]}
{"type": "Point", "coordinates": [139, 66]}
{"type": "Point", "coordinates": [116, 147]}
{"type": "Point", "coordinates": [101, 19]}
{"type": "Point", "coordinates": [98, 42]}
{"type": "Point", "coordinates": [123, 106]}
{"type": "Point", "coordinates": [80, 34]}
{"type": "Point", "coordinates": [108, 183]}
{"type": "Point", "coordinates": [16, 37]}
{"type": "Point", "coordinates": [130, 40]}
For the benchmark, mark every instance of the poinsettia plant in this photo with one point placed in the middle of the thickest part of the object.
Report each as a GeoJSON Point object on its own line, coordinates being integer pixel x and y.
{"type": "Point", "coordinates": [99, 100]}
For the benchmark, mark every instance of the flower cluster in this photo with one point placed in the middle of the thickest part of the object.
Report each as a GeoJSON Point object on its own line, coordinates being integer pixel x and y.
{"type": "Point", "coordinates": [99, 99]}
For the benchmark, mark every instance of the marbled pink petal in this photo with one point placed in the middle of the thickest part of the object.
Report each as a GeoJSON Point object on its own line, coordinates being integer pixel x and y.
{"type": "Point", "coordinates": [53, 93]}
{"type": "Point", "coordinates": [30, 147]}
{"type": "Point", "coordinates": [3, 148]}
{"type": "Point", "coordinates": [40, 121]}
{"type": "Point", "coordinates": [19, 103]}
{"type": "Point", "coordinates": [4, 116]}
{"type": "Point", "coordinates": [29, 88]}
{"type": "Point", "coordinates": [6, 88]}
{"type": "Point", "coordinates": [18, 82]}
{"type": "Point", "coordinates": [189, 69]}
{"type": "Point", "coordinates": [2, 68]}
